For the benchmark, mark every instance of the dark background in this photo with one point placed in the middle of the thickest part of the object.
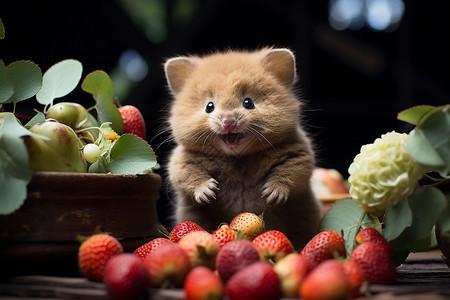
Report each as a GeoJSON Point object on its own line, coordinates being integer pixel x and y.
{"type": "Point", "coordinates": [354, 82]}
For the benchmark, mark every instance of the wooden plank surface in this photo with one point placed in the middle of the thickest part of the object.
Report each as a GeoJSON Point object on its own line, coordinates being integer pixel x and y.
{"type": "Point", "coordinates": [423, 276]}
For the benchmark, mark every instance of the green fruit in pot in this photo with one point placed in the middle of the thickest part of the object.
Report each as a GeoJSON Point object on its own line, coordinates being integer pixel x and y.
{"type": "Point", "coordinates": [75, 116]}
{"type": "Point", "coordinates": [60, 154]}
{"type": "Point", "coordinates": [71, 114]}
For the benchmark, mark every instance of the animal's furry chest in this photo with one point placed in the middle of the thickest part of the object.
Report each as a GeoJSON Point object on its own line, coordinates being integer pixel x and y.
{"type": "Point", "coordinates": [240, 179]}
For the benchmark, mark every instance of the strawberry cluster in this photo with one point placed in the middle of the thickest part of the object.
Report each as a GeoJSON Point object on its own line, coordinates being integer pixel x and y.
{"type": "Point", "coordinates": [240, 260]}
{"type": "Point", "coordinates": [334, 277]}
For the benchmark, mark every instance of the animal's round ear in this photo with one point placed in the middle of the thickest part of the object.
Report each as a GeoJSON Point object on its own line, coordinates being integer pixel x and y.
{"type": "Point", "coordinates": [177, 70]}
{"type": "Point", "coordinates": [281, 63]}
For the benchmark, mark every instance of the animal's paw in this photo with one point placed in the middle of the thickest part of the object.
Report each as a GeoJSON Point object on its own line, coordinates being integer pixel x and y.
{"type": "Point", "coordinates": [206, 192]}
{"type": "Point", "coordinates": [275, 194]}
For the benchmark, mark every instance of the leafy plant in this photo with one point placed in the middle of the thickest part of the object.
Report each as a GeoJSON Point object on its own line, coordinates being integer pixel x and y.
{"type": "Point", "coordinates": [409, 224]}
{"type": "Point", "coordinates": [59, 81]}
{"type": "Point", "coordinates": [348, 217]}
{"type": "Point", "coordinates": [19, 81]}
{"type": "Point", "coordinates": [120, 154]}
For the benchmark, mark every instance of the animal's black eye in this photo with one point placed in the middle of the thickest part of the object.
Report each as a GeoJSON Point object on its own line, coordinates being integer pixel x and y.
{"type": "Point", "coordinates": [248, 103]}
{"type": "Point", "coordinates": [209, 107]}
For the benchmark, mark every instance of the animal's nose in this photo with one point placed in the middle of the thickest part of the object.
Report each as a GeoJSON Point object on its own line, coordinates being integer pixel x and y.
{"type": "Point", "coordinates": [229, 123]}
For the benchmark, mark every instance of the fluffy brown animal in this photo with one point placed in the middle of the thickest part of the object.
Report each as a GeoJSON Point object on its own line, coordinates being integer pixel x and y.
{"type": "Point", "coordinates": [240, 145]}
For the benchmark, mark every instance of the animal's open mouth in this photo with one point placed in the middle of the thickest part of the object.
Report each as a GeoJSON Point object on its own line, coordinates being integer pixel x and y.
{"type": "Point", "coordinates": [231, 139]}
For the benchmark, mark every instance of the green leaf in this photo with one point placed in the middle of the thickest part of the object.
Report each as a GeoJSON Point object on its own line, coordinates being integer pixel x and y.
{"type": "Point", "coordinates": [2, 30]}
{"type": "Point", "coordinates": [397, 219]}
{"type": "Point", "coordinates": [426, 205]}
{"type": "Point", "coordinates": [101, 87]}
{"type": "Point", "coordinates": [429, 142]}
{"type": "Point", "coordinates": [422, 151]}
{"type": "Point", "coordinates": [100, 166]}
{"type": "Point", "coordinates": [108, 112]}
{"type": "Point", "coordinates": [98, 81]}
{"type": "Point", "coordinates": [131, 155]}
{"type": "Point", "coordinates": [38, 118]}
{"type": "Point", "coordinates": [25, 77]}
{"type": "Point", "coordinates": [59, 80]}
{"type": "Point", "coordinates": [6, 86]}
{"type": "Point", "coordinates": [414, 114]}
{"type": "Point", "coordinates": [14, 128]}
{"type": "Point", "coordinates": [346, 215]}
{"type": "Point", "coordinates": [15, 172]}
{"type": "Point", "coordinates": [13, 190]}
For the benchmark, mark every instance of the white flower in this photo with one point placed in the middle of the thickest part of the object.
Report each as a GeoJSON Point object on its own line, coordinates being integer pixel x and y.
{"type": "Point", "coordinates": [383, 173]}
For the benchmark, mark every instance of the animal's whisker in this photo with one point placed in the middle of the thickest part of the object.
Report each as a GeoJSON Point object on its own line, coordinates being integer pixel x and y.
{"type": "Point", "coordinates": [261, 126]}
{"type": "Point", "coordinates": [166, 140]}
{"type": "Point", "coordinates": [207, 131]}
{"type": "Point", "coordinates": [261, 138]}
{"type": "Point", "coordinates": [211, 133]}
{"type": "Point", "coordinates": [158, 134]}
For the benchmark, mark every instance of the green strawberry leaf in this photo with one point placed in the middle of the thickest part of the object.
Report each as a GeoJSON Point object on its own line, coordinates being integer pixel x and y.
{"type": "Point", "coordinates": [131, 155]}
{"type": "Point", "coordinates": [24, 77]}
{"type": "Point", "coordinates": [108, 112]}
{"type": "Point", "coordinates": [100, 166]}
{"type": "Point", "coordinates": [59, 80]}
{"type": "Point", "coordinates": [347, 216]}
{"type": "Point", "coordinates": [101, 87]}
{"type": "Point", "coordinates": [98, 81]}
{"type": "Point", "coordinates": [414, 114]}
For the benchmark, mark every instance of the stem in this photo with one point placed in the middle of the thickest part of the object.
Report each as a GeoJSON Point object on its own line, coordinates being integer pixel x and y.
{"type": "Point", "coordinates": [358, 228]}
{"type": "Point", "coordinates": [91, 108]}
{"type": "Point", "coordinates": [89, 128]}
{"type": "Point", "coordinates": [444, 181]}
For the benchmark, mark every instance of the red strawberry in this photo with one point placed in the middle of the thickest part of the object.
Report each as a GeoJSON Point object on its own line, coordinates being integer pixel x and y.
{"type": "Point", "coordinates": [126, 277]}
{"type": "Point", "coordinates": [182, 229]}
{"type": "Point", "coordinates": [133, 121]}
{"type": "Point", "coordinates": [326, 281]}
{"type": "Point", "coordinates": [372, 235]}
{"type": "Point", "coordinates": [325, 245]}
{"type": "Point", "coordinates": [203, 284]}
{"type": "Point", "coordinates": [292, 271]}
{"type": "Point", "coordinates": [224, 235]}
{"type": "Point", "coordinates": [94, 253]}
{"type": "Point", "coordinates": [355, 277]}
{"type": "Point", "coordinates": [273, 245]}
{"type": "Point", "coordinates": [201, 248]}
{"type": "Point", "coordinates": [247, 224]}
{"type": "Point", "coordinates": [235, 256]}
{"type": "Point", "coordinates": [168, 265]}
{"type": "Point", "coordinates": [255, 282]}
{"type": "Point", "coordinates": [376, 263]}
{"type": "Point", "coordinates": [145, 249]}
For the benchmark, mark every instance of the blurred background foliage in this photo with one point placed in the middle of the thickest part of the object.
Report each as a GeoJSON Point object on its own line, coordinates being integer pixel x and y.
{"type": "Point", "coordinates": [359, 61]}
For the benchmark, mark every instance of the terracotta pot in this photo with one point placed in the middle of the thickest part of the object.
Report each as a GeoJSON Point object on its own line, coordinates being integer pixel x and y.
{"type": "Point", "coordinates": [62, 206]}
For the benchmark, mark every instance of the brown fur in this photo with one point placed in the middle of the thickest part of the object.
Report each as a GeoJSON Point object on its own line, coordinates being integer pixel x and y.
{"type": "Point", "coordinates": [268, 171]}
